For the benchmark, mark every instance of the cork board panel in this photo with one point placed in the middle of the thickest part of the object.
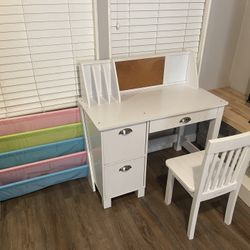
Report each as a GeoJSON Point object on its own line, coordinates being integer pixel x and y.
{"type": "Point", "coordinates": [140, 73]}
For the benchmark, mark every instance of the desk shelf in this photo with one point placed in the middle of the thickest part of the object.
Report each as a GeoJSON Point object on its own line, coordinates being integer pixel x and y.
{"type": "Point", "coordinates": [99, 83]}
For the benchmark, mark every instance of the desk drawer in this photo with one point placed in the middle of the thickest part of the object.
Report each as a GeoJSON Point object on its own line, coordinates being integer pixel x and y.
{"type": "Point", "coordinates": [124, 143]}
{"type": "Point", "coordinates": [182, 120]}
{"type": "Point", "coordinates": [124, 177]}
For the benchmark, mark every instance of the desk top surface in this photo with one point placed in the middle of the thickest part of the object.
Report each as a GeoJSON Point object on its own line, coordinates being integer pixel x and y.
{"type": "Point", "coordinates": [152, 104]}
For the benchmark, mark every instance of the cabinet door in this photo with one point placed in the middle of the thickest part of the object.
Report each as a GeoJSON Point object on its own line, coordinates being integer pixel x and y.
{"type": "Point", "coordinates": [124, 177]}
{"type": "Point", "coordinates": [124, 143]}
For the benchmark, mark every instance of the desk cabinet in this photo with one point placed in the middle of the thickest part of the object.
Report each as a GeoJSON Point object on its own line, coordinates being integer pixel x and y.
{"type": "Point", "coordinates": [119, 158]}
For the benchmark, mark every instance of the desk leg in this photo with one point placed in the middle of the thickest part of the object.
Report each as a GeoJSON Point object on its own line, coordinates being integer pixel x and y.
{"type": "Point", "coordinates": [140, 192]}
{"type": "Point", "coordinates": [180, 134]}
{"type": "Point", "coordinates": [106, 202]}
{"type": "Point", "coordinates": [214, 125]}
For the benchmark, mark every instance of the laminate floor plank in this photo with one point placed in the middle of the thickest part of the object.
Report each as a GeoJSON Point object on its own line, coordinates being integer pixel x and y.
{"type": "Point", "coordinates": [70, 216]}
{"type": "Point", "coordinates": [237, 113]}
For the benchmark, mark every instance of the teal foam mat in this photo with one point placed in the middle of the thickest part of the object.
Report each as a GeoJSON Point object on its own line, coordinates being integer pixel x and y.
{"type": "Point", "coordinates": [30, 185]}
{"type": "Point", "coordinates": [43, 152]}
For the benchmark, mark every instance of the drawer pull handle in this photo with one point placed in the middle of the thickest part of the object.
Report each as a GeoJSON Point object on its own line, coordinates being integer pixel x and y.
{"type": "Point", "coordinates": [125, 168]}
{"type": "Point", "coordinates": [185, 120]}
{"type": "Point", "coordinates": [125, 131]}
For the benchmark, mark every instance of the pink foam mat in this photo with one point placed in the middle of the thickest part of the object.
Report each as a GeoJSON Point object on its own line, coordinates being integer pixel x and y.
{"type": "Point", "coordinates": [39, 121]}
{"type": "Point", "coordinates": [35, 169]}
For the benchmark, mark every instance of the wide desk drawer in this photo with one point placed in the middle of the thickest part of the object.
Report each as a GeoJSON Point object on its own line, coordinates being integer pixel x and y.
{"type": "Point", "coordinates": [181, 120]}
{"type": "Point", "coordinates": [124, 177]}
{"type": "Point", "coordinates": [124, 143]}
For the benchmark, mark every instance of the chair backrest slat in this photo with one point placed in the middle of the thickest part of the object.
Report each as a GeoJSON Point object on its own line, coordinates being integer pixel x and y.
{"type": "Point", "coordinates": [210, 172]}
{"type": "Point", "coordinates": [226, 168]}
{"type": "Point", "coordinates": [240, 162]}
{"type": "Point", "coordinates": [232, 166]}
{"type": "Point", "coordinates": [225, 162]}
{"type": "Point", "coordinates": [217, 171]}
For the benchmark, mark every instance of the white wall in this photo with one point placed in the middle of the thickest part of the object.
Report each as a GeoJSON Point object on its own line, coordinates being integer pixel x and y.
{"type": "Point", "coordinates": [240, 72]}
{"type": "Point", "coordinates": [221, 42]}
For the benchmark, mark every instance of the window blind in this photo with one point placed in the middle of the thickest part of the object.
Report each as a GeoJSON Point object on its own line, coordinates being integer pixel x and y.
{"type": "Point", "coordinates": [147, 26]}
{"type": "Point", "coordinates": [40, 43]}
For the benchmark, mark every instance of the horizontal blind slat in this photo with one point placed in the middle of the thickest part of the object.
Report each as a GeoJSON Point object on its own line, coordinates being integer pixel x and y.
{"type": "Point", "coordinates": [19, 81]}
{"type": "Point", "coordinates": [40, 43]}
{"type": "Point", "coordinates": [154, 26]}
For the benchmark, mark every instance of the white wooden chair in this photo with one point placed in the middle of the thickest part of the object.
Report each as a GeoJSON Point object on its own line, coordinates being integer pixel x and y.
{"type": "Point", "coordinates": [217, 170]}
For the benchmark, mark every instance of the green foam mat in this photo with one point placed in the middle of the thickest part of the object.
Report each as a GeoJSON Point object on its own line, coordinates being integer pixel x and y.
{"type": "Point", "coordinates": [39, 137]}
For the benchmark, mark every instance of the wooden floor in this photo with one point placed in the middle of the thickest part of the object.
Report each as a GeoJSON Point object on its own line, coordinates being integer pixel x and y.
{"type": "Point", "coordinates": [70, 216]}
{"type": "Point", "coordinates": [237, 113]}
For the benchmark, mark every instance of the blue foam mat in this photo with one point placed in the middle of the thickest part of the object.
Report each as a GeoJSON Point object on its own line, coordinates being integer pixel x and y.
{"type": "Point", "coordinates": [43, 152]}
{"type": "Point", "coordinates": [30, 185]}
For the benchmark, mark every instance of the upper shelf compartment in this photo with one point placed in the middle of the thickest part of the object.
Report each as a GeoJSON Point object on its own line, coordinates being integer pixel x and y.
{"type": "Point", "coordinates": [103, 81]}
{"type": "Point", "coordinates": [142, 72]}
{"type": "Point", "coordinates": [181, 68]}
{"type": "Point", "coordinates": [99, 84]}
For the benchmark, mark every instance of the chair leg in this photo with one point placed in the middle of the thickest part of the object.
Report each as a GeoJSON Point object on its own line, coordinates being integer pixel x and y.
{"type": "Point", "coordinates": [193, 218]}
{"type": "Point", "coordinates": [169, 188]}
{"type": "Point", "coordinates": [230, 207]}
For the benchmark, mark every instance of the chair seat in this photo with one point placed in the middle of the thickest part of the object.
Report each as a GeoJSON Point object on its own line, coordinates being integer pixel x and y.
{"type": "Point", "coordinates": [187, 169]}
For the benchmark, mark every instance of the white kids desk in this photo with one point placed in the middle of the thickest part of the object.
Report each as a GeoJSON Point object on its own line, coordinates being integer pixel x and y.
{"type": "Point", "coordinates": [117, 123]}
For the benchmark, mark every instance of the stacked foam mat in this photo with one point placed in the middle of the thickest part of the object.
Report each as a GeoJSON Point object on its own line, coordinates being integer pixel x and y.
{"type": "Point", "coordinates": [40, 150]}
